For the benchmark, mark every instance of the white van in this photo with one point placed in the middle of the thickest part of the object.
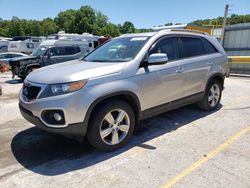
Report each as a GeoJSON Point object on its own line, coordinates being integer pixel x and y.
{"type": "Point", "coordinates": [4, 44]}
{"type": "Point", "coordinates": [24, 44]}
{"type": "Point", "coordinates": [87, 41]}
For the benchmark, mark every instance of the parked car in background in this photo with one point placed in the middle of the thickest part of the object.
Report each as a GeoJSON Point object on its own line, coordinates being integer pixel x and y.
{"type": "Point", "coordinates": [57, 48]}
{"type": "Point", "coordinates": [6, 56]}
{"type": "Point", "coordinates": [24, 44]}
{"type": "Point", "coordinates": [44, 56]}
{"type": "Point", "coordinates": [128, 79]}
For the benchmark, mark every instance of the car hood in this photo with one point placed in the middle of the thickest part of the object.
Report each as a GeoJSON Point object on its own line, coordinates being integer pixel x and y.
{"type": "Point", "coordinates": [22, 58]}
{"type": "Point", "coordinates": [73, 71]}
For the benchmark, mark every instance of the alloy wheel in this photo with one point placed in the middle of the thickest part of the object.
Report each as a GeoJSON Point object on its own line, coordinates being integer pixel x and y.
{"type": "Point", "coordinates": [214, 95]}
{"type": "Point", "coordinates": [114, 127]}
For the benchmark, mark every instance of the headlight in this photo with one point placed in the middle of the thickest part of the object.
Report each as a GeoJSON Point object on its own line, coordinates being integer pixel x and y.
{"type": "Point", "coordinates": [64, 88]}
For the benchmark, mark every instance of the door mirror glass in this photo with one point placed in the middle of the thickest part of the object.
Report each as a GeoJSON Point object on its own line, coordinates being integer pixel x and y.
{"type": "Point", "coordinates": [157, 59]}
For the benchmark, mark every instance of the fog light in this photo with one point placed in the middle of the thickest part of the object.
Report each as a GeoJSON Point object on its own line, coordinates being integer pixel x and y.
{"type": "Point", "coordinates": [53, 117]}
{"type": "Point", "coordinates": [57, 117]}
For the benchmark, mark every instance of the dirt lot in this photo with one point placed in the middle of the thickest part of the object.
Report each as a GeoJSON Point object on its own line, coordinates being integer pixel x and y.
{"type": "Point", "coordinates": [183, 148]}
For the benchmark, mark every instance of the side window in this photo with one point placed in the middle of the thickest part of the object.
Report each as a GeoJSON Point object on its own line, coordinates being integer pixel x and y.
{"type": "Point", "coordinates": [168, 46]}
{"type": "Point", "coordinates": [35, 40]}
{"type": "Point", "coordinates": [192, 46]}
{"type": "Point", "coordinates": [8, 56]}
{"type": "Point", "coordinates": [2, 56]}
{"type": "Point", "coordinates": [69, 50]}
{"type": "Point", "coordinates": [14, 55]}
{"type": "Point", "coordinates": [209, 47]}
{"type": "Point", "coordinates": [57, 51]}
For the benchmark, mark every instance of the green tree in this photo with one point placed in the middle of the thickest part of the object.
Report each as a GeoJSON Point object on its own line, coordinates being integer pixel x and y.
{"type": "Point", "coordinates": [48, 26]}
{"type": "Point", "coordinates": [111, 30]}
{"type": "Point", "coordinates": [128, 27]}
{"type": "Point", "coordinates": [65, 21]}
{"type": "Point", "coordinates": [15, 27]}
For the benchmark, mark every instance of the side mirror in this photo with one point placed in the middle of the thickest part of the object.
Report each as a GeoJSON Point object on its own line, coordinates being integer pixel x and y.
{"type": "Point", "coordinates": [157, 59]}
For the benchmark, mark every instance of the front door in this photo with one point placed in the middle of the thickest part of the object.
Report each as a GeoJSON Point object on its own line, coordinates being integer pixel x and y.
{"type": "Point", "coordinates": [162, 83]}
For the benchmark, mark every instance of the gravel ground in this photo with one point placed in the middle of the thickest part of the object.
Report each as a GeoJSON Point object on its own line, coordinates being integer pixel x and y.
{"type": "Point", "coordinates": [160, 149]}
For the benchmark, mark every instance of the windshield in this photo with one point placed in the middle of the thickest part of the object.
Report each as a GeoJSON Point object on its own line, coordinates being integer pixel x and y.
{"type": "Point", "coordinates": [117, 50]}
{"type": "Point", "coordinates": [39, 51]}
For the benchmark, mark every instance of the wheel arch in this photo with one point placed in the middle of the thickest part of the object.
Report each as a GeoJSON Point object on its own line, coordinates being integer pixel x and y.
{"type": "Point", "coordinates": [32, 65]}
{"type": "Point", "coordinates": [126, 96]}
{"type": "Point", "coordinates": [218, 76]}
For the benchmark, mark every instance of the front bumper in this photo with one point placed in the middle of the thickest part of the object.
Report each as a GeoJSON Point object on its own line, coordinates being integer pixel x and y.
{"type": "Point", "coordinates": [72, 130]}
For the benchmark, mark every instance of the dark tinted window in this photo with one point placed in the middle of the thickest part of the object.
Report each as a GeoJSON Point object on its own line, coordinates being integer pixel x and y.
{"type": "Point", "coordinates": [35, 40]}
{"type": "Point", "coordinates": [16, 55]}
{"type": "Point", "coordinates": [168, 46]}
{"type": "Point", "coordinates": [192, 46]}
{"type": "Point", "coordinates": [95, 44]}
{"type": "Point", "coordinates": [69, 50]}
{"type": "Point", "coordinates": [57, 51]}
{"type": "Point", "coordinates": [209, 47]}
{"type": "Point", "coordinates": [8, 56]}
{"type": "Point", "coordinates": [2, 56]}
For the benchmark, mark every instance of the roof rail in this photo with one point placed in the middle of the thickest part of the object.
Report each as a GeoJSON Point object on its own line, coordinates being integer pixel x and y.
{"type": "Point", "coordinates": [186, 30]}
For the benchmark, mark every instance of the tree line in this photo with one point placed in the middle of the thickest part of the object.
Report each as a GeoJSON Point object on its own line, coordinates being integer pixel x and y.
{"type": "Point", "coordinates": [83, 20]}
{"type": "Point", "coordinates": [88, 20]}
{"type": "Point", "coordinates": [233, 19]}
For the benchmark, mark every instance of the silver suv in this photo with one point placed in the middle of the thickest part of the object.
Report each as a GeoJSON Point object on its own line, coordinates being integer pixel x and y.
{"type": "Point", "coordinates": [127, 79]}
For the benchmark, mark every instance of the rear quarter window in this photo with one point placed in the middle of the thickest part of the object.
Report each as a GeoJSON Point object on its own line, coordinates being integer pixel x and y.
{"type": "Point", "coordinates": [210, 49]}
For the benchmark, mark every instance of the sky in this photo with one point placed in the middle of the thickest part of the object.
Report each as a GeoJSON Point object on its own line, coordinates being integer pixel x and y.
{"type": "Point", "coordinates": [142, 13]}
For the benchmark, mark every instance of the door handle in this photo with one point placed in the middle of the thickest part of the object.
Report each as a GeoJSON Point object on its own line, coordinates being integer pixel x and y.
{"type": "Point", "coordinates": [180, 70]}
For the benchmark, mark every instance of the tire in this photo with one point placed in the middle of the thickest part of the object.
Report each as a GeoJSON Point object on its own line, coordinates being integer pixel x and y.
{"type": "Point", "coordinates": [212, 96]}
{"type": "Point", "coordinates": [115, 133]}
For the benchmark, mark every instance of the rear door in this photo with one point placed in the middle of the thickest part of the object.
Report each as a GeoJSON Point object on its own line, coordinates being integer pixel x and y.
{"type": "Point", "coordinates": [198, 58]}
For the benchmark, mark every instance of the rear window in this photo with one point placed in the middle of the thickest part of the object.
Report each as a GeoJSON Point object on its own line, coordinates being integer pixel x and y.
{"type": "Point", "coordinates": [209, 47]}
{"type": "Point", "coordinates": [192, 46]}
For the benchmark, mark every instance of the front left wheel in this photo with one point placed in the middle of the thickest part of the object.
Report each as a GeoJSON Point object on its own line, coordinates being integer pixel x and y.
{"type": "Point", "coordinates": [111, 126]}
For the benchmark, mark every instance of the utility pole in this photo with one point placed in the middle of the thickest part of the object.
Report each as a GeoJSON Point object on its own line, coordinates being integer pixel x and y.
{"type": "Point", "coordinates": [224, 24]}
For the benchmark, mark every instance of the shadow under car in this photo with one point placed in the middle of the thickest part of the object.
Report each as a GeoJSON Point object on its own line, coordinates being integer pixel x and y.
{"type": "Point", "coordinates": [50, 154]}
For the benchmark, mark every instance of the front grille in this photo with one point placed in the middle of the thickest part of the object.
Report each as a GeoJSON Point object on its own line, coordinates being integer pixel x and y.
{"type": "Point", "coordinates": [30, 92]}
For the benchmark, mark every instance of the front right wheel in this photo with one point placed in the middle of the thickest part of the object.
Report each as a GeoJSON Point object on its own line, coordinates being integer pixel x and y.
{"type": "Point", "coordinates": [212, 96]}
{"type": "Point", "coordinates": [111, 126]}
